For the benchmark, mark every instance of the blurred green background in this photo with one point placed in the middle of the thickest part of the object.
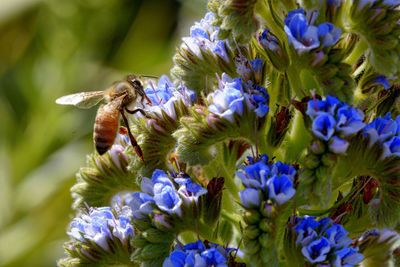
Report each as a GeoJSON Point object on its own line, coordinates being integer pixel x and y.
{"type": "Point", "coordinates": [50, 48]}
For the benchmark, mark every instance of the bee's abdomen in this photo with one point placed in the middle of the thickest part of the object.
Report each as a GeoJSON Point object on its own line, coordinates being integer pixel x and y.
{"type": "Point", "coordinates": [105, 128]}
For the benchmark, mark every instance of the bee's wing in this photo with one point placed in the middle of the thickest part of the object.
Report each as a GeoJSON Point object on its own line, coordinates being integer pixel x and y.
{"type": "Point", "coordinates": [82, 100]}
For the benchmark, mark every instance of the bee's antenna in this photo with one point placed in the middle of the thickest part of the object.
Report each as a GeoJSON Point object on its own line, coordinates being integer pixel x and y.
{"type": "Point", "coordinates": [149, 76]}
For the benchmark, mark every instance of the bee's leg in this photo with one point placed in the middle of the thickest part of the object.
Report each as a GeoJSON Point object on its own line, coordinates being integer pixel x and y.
{"type": "Point", "coordinates": [138, 150]}
{"type": "Point", "coordinates": [138, 110]}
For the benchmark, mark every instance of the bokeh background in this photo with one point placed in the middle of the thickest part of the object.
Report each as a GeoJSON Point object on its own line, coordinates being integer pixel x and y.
{"type": "Point", "coordinates": [49, 48]}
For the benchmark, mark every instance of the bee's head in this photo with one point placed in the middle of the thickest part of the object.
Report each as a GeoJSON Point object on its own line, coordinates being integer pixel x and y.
{"type": "Point", "coordinates": [137, 85]}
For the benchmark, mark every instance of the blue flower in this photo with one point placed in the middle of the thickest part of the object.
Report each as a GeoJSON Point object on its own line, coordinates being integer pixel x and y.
{"type": "Point", "coordinates": [324, 126]}
{"type": "Point", "coordinates": [161, 191]}
{"type": "Point", "coordinates": [329, 105]}
{"type": "Point", "coordinates": [317, 250]}
{"type": "Point", "coordinates": [166, 94]}
{"type": "Point", "coordinates": [323, 241]}
{"type": "Point", "coordinates": [305, 37]}
{"type": "Point", "coordinates": [392, 147]}
{"type": "Point", "coordinates": [382, 80]}
{"type": "Point", "coordinates": [162, 93]}
{"type": "Point", "coordinates": [189, 191]}
{"type": "Point", "coordinates": [349, 120]}
{"type": "Point", "coordinates": [280, 189]}
{"type": "Point", "coordinates": [381, 129]}
{"type": "Point", "coordinates": [229, 100]}
{"type": "Point", "coordinates": [99, 226]}
{"type": "Point", "coordinates": [231, 97]}
{"type": "Point", "coordinates": [337, 235]}
{"type": "Point", "coordinates": [338, 145]}
{"type": "Point", "coordinates": [328, 34]}
{"type": "Point", "coordinates": [305, 228]}
{"type": "Point", "coordinates": [250, 198]}
{"type": "Point", "coordinates": [255, 174]}
{"type": "Point", "coordinates": [249, 69]}
{"type": "Point", "coordinates": [280, 168]}
{"type": "Point", "coordinates": [204, 37]}
{"type": "Point", "coordinates": [272, 181]}
{"type": "Point", "coordinates": [141, 204]}
{"type": "Point", "coordinates": [347, 257]}
{"type": "Point", "coordinates": [198, 254]}
{"type": "Point", "coordinates": [167, 199]}
{"type": "Point", "coordinates": [258, 99]}
{"type": "Point", "coordinates": [333, 121]}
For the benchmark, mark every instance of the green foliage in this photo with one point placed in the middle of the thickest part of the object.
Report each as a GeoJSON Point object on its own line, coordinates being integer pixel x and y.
{"type": "Point", "coordinates": [50, 48]}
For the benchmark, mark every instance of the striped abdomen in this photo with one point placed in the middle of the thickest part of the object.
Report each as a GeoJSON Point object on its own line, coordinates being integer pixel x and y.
{"type": "Point", "coordinates": [105, 127]}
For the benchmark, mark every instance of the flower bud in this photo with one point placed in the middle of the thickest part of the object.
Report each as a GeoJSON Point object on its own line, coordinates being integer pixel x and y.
{"type": "Point", "coordinates": [274, 49]}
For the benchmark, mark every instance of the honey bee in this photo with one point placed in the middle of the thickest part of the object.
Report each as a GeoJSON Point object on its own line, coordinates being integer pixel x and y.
{"type": "Point", "coordinates": [118, 99]}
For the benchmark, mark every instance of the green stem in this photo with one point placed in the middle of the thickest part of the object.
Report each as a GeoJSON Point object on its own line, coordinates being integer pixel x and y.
{"type": "Point", "coordinates": [298, 139]}
{"type": "Point", "coordinates": [292, 73]}
{"type": "Point", "coordinates": [231, 217]}
{"type": "Point", "coordinates": [360, 49]}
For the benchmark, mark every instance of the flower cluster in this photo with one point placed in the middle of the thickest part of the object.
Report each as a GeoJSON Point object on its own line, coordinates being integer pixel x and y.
{"type": "Point", "coordinates": [266, 181]}
{"type": "Point", "coordinates": [100, 226]}
{"type": "Point", "coordinates": [198, 254]}
{"type": "Point", "coordinates": [323, 241]}
{"type": "Point", "coordinates": [304, 36]}
{"type": "Point", "coordinates": [333, 121]}
{"type": "Point", "coordinates": [232, 98]}
{"type": "Point", "coordinates": [385, 131]}
{"type": "Point", "coordinates": [204, 37]}
{"type": "Point", "coordinates": [162, 192]}
{"type": "Point", "coordinates": [166, 94]}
